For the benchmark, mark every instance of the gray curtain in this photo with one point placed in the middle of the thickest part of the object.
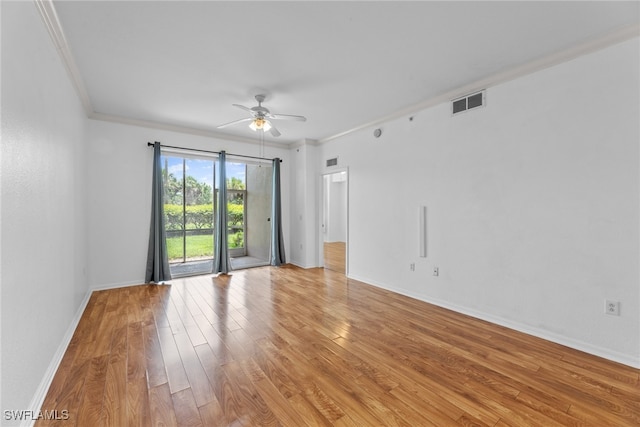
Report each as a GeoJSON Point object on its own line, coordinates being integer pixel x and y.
{"type": "Point", "coordinates": [221, 261]}
{"type": "Point", "coordinates": [277, 242]}
{"type": "Point", "coordinates": [157, 259]}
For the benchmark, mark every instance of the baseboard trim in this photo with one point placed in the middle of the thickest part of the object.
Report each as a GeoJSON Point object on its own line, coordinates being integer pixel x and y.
{"type": "Point", "coordinates": [306, 267]}
{"type": "Point", "coordinates": [43, 388]}
{"type": "Point", "coordinates": [614, 356]}
{"type": "Point", "coordinates": [105, 287]}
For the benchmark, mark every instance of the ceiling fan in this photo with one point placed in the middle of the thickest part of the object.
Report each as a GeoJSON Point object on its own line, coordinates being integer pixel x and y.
{"type": "Point", "coordinates": [261, 117]}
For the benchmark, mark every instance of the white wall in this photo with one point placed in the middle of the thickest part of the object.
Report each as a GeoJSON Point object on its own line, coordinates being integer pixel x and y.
{"type": "Point", "coordinates": [43, 216]}
{"type": "Point", "coordinates": [532, 203]}
{"type": "Point", "coordinates": [305, 184]}
{"type": "Point", "coordinates": [119, 199]}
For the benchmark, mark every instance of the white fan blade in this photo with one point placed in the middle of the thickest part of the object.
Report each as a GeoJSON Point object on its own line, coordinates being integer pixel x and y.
{"type": "Point", "coordinates": [248, 119]}
{"type": "Point", "coordinates": [244, 108]}
{"type": "Point", "coordinates": [274, 131]}
{"type": "Point", "coordinates": [287, 117]}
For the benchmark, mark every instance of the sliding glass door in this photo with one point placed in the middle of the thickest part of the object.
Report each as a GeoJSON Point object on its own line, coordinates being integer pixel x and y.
{"type": "Point", "coordinates": [191, 187]}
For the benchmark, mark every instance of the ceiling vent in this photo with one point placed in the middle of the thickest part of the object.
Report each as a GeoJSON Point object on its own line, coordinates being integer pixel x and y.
{"type": "Point", "coordinates": [468, 102]}
{"type": "Point", "coordinates": [332, 162]}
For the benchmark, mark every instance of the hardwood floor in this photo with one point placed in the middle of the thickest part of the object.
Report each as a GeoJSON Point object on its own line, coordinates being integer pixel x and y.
{"type": "Point", "coordinates": [335, 256]}
{"type": "Point", "coordinates": [292, 347]}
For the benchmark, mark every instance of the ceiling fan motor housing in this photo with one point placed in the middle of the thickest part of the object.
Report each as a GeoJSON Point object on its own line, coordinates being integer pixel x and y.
{"type": "Point", "coordinates": [260, 111]}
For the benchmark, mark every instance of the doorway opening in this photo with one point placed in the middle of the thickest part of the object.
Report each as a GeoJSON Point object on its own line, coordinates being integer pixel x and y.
{"type": "Point", "coordinates": [335, 221]}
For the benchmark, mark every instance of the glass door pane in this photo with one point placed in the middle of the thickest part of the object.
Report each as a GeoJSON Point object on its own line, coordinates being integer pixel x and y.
{"type": "Point", "coordinates": [188, 208]}
{"type": "Point", "coordinates": [236, 207]}
{"type": "Point", "coordinates": [173, 183]}
{"type": "Point", "coordinates": [198, 209]}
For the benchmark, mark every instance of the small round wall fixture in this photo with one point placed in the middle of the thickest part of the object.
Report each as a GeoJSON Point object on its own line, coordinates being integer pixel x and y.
{"type": "Point", "coordinates": [377, 133]}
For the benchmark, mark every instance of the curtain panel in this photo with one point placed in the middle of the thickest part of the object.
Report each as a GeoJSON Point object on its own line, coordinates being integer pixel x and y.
{"type": "Point", "coordinates": [221, 260]}
{"type": "Point", "coordinates": [277, 242]}
{"type": "Point", "coordinates": [157, 258]}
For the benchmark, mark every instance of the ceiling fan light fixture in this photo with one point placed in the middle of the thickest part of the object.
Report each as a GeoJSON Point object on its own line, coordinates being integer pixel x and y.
{"type": "Point", "coordinates": [259, 118]}
{"type": "Point", "coordinates": [260, 123]}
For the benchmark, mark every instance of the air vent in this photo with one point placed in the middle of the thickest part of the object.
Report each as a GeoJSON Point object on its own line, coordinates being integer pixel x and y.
{"type": "Point", "coordinates": [332, 162]}
{"type": "Point", "coordinates": [468, 102]}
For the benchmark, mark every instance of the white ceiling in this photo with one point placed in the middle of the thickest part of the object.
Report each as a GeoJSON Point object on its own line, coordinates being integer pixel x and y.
{"type": "Point", "coordinates": [343, 65]}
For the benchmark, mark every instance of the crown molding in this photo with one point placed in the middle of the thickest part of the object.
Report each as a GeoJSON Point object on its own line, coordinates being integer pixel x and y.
{"type": "Point", "coordinates": [303, 142]}
{"type": "Point", "coordinates": [590, 46]}
{"type": "Point", "coordinates": [183, 129]}
{"type": "Point", "coordinates": [52, 23]}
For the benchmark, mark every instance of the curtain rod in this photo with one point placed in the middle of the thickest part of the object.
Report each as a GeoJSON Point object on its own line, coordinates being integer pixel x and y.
{"type": "Point", "coordinates": [151, 144]}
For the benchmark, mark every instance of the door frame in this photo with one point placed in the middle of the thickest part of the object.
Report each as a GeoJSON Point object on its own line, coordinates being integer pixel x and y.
{"type": "Point", "coordinates": [321, 216]}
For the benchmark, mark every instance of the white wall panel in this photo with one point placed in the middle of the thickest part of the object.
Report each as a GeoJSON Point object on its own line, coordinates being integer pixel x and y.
{"type": "Point", "coordinates": [532, 201]}
{"type": "Point", "coordinates": [43, 217]}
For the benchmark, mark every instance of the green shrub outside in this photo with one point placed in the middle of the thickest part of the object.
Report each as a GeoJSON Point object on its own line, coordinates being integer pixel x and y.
{"type": "Point", "coordinates": [235, 213]}
{"type": "Point", "coordinates": [199, 217]}
{"type": "Point", "coordinates": [236, 240]}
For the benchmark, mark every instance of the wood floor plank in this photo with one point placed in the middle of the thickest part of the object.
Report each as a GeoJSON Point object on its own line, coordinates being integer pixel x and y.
{"type": "Point", "coordinates": [335, 256]}
{"type": "Point", "coordinates": [559, 416]}
{"type": "Point", "coordinates": [252, 403]}
{"type": "Point", "coordinates": [90, 412]}
{"type": "Point", "coordinates": [60, 378]}
{"type": "Point", "coordinates": [161, 408]}
{"type": "Point", "coordinates": [231, 406]}
{"type": "Point", "coordinates": [212, 414]}
{"type": "Point", "coordinates": [293, 347]}
{"type": "Point", "coordinates": [70, 395]}
{"type": "Point", "coordinates": [115, 393]}
{"type": "Point", "coordinates": [176, 375]}
{"type": "Point", "coordinates": [276, 402]}
{"type": "Point", "coordinates": [155, 369]}
{"type": "Point", "coordinates": [186, 317]}
{"type": "Point", "coordinates": [323, 403]}
{"type": "Point", "coordinates": [184, 404]}
{"type": "Point", "coordinates": [311, 415]}
{"type": "Point", "coordinates": [215, 339]}
{"type": "Point", "coordinates": [196, 375]}
{"type": "Point", "coordinates": [138, 411]}
{"type": "Point", "coordinates": [136, 363]}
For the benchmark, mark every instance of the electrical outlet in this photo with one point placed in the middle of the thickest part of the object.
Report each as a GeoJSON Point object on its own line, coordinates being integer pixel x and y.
{"type": "Point", "coordinates": [412, 266]}
{"type": "Point", "coordinates": [612, 307]}
{"type": "Point", "coordinates": [436, 271]}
